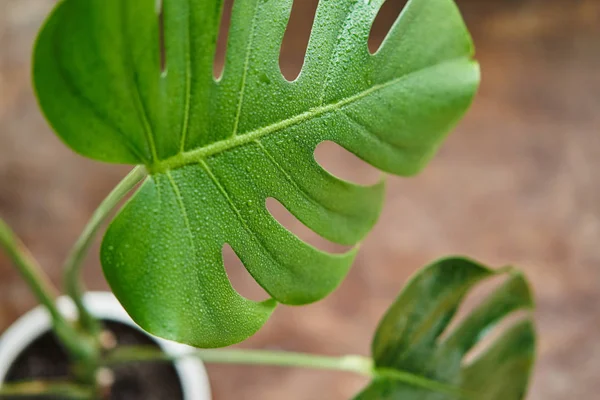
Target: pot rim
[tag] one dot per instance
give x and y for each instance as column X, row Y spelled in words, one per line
column 104, row 305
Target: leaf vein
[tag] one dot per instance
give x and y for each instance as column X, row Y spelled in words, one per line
column 238, row 214
column 370, row 132
column 335, row 55
column 245, row 71
column 309, row 196
column 182, row 207
column 192, row 156
column 134, row 89
column 188, row 87
column 89, row 104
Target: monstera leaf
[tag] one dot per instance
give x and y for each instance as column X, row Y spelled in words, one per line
column 414, row 361
column 132, row 82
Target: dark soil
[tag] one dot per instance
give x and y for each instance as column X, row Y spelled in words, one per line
column 45, row 359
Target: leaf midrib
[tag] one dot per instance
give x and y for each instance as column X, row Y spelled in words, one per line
column 194, row 156
column 423, row 382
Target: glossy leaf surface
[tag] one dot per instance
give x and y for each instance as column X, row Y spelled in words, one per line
column 409, row 339
column 130, row 82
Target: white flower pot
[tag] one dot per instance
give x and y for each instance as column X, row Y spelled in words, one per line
column 103, row 305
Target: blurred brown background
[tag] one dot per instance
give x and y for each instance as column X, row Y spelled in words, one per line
column 515, row 184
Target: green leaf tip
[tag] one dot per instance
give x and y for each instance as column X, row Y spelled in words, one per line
column 416, row 358
column 217, row 148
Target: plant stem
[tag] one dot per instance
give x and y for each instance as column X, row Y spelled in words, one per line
column 351, row 363
column 38, row 388
column 39, row 282
column 43, row 289
column 74, row 263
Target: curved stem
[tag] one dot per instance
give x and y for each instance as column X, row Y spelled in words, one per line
column 43, row 289
column 350, row 363
column 73, row 266
column 31, row 272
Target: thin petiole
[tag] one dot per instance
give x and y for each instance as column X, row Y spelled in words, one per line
column 350, row 363
column 39, row 282
column 74, row 263
column 43, row 289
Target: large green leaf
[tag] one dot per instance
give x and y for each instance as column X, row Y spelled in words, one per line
column 216, row 149
column 414, row 361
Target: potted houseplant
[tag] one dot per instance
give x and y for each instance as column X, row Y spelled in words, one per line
column 132, row 82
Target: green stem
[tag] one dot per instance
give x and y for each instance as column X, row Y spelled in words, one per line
column 43, row 289
column 73, row 266
column 351, row 363
column 67, row 391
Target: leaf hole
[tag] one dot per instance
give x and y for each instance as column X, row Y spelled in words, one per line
column 240, row 278
column 387, row 15
column 493, row 335
column 477, row 296
column 294, row 225
column 221, row 50
column 471, row 301
column 297, row 35
column 345, row 165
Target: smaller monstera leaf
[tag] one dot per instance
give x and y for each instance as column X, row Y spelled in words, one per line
column 131, row 81
column 414, row 361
